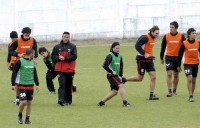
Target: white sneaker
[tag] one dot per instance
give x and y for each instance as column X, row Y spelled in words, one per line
column 52, row 92
column 17, row 102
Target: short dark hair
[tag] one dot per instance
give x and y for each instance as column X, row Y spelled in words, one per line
column 113, row 45
column 13, row 34
column 154, row 28
column 42, row 49
column 29, row 51
column 26, row 30
column 189, row 31
column 175, row 24
column 66, row 33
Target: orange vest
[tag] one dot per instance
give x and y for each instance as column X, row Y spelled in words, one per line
column 148, row 47
column 24, row 45
column 173, row 44
column 191, row 53
column 13, row 58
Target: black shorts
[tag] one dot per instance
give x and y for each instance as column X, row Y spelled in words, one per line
column 114, row 81
column 171, row 63
column 191, row 69
column 25, row 94
column 145, row 65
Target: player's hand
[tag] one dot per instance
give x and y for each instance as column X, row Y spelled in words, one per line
column 179, row 69
column 20, row 55
column 146, row 55
column 37, row 88
column 62, row 58
column 8, row 65
column 162, row 61
column 114, row 73
column 13, row 88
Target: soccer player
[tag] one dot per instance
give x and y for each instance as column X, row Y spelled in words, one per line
column 171, row 44
column 64, row 55
column 145, row 57
column 19, row 47
column 28, row 75
column 114, row 66
column 50, row 74
column 190, row 48
column 11, row 60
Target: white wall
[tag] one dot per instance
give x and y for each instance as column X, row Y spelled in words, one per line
column 88, row 19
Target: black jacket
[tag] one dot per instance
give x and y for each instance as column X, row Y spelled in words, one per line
column 64, row 47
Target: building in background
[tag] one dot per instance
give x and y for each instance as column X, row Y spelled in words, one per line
column 90, row 19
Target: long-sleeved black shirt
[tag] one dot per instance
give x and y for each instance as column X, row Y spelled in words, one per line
column 13, row 48
column 107, row 62
column 16, row 69
column 164, row 44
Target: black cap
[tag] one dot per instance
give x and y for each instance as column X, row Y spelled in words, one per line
column 13, row 34
column 26, row 30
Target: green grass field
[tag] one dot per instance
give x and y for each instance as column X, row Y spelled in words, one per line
column 174, row 112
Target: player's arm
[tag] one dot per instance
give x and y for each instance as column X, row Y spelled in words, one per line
column 35, row 48
column 106, row 64
column 14, row 73
column 121, row 68
column 163, row 47
column 183, row 38
column 54, row 54
column 199, row 47
column 36, row 80
column 140, row 42
column 12, row 49
column 180, row 56
column 36, row 77
column 73, row 55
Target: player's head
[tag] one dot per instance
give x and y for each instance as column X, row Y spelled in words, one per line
column 13, row 35
column 154, row 31
column 173, row 27
column 43, row 51
column 175, row 24
column 30, row 53
column 115, row 47
column 191, row 33
column 65, row 37
column 26, row 31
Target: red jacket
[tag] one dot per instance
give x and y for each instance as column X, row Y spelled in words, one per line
column 69, row 51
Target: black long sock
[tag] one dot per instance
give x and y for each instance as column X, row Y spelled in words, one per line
column 124, row 102
column 27, row 117
column 20, row 114
column 151, row 94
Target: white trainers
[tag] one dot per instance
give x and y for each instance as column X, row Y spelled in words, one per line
column 191, row 99
column 17, row 102
column 52, row 92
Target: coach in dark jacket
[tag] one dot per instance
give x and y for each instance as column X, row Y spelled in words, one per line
column 65, row 54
